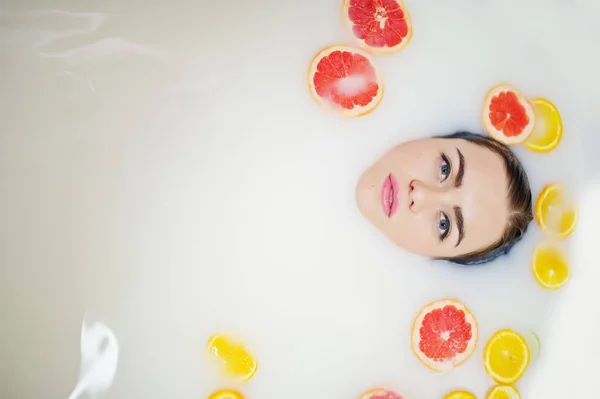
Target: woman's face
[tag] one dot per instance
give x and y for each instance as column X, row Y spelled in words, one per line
column 436, row 197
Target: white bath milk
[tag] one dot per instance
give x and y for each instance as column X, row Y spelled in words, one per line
column 163, row 166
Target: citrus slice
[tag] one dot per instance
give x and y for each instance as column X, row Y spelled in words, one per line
column 555, row 214
column 506, row 357
column 460, row 395
column 550, row 266
column 345, row 79
column 381, row 393
column 226, row 394
column 547, row 132
column 381, row 26
column 507, row 115
column 503, row 392
column 233, row 357
column 444, row 334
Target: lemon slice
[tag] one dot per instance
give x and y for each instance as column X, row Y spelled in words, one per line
column 506, row 357
column 555, row 214
column 226, row 394
column 550, row 267
column 547, row 132
column 460, row 395
column 236, row 361
column 503, row 392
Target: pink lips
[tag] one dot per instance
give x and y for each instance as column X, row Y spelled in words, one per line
column 389, row 196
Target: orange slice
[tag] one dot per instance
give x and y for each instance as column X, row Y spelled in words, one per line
column 226, row 394
column 556, row 214
column 506, row 357
column 232, row 356
column 507, row 115
column 346, row 80
column 503, row 392
column 547, row 132
column 550, row 267
column 444, row 334
column 460, row 395
column 381, row 26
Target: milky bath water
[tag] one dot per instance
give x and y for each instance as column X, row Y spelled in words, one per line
column 164, row 168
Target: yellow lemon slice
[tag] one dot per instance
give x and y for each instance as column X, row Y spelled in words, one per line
column 550, row 267
column 236, row 361
column 555, row 214
column 506, row 357
column 503, row 392
column 226, row 394
column 547, row 132
column 460, row 395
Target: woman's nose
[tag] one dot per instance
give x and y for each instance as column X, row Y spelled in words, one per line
column 421, row 196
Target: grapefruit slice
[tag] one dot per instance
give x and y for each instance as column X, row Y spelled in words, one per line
column 226, row 394
column 381, row 393
column 345, row 79
column 444, row 334
column 547, row 132
column 506, row 357
column 460, row 395
column 381, row 26
column 232, row 356
column 550, row 267
column 503, row 392
column 507, row 115
column 556, row 214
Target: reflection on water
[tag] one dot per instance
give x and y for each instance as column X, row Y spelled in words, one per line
column 164, row 166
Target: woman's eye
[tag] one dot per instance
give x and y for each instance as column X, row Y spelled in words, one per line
column 443, row 226
column 445, row 168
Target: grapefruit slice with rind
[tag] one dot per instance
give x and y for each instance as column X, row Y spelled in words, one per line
column 555, row 212
column 507, row 115
column 547, row 132
column 503, row 392
column 550, row 267
column 226, row 394
column 460, row 395
column 381, row 26
column 231, row 355
column 345, row 79
column 444, row 334
column 506, row 357
column 381, row 393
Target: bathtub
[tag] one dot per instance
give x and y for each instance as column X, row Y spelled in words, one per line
column 165, row 172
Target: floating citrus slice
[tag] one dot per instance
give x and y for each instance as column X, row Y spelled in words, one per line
column 382, row 26
column 550, row 266
column 444, row 334
column 345, row 79
column 555, row 214
column 507, row 115
column 503, row 392
column 233, row 357
column 506, row 357
column 226, row 394
column 381, row 393
column 547, row 132
column 460, row 395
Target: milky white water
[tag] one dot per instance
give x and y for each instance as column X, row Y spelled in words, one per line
column 164, row 170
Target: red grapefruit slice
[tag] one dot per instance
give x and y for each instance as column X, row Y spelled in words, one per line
column 382, row 26
column 381, row 393
column 507, row 115
column 444, row 334
column 345, row 79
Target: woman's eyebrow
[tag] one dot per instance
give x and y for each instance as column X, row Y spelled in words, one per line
column 460, row 224
column 461, row 169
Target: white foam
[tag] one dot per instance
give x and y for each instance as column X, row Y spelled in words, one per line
column 352, row 85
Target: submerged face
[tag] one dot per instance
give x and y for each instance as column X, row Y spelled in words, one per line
column 437, row 197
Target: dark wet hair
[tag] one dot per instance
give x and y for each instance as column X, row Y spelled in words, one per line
column 519, row 199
